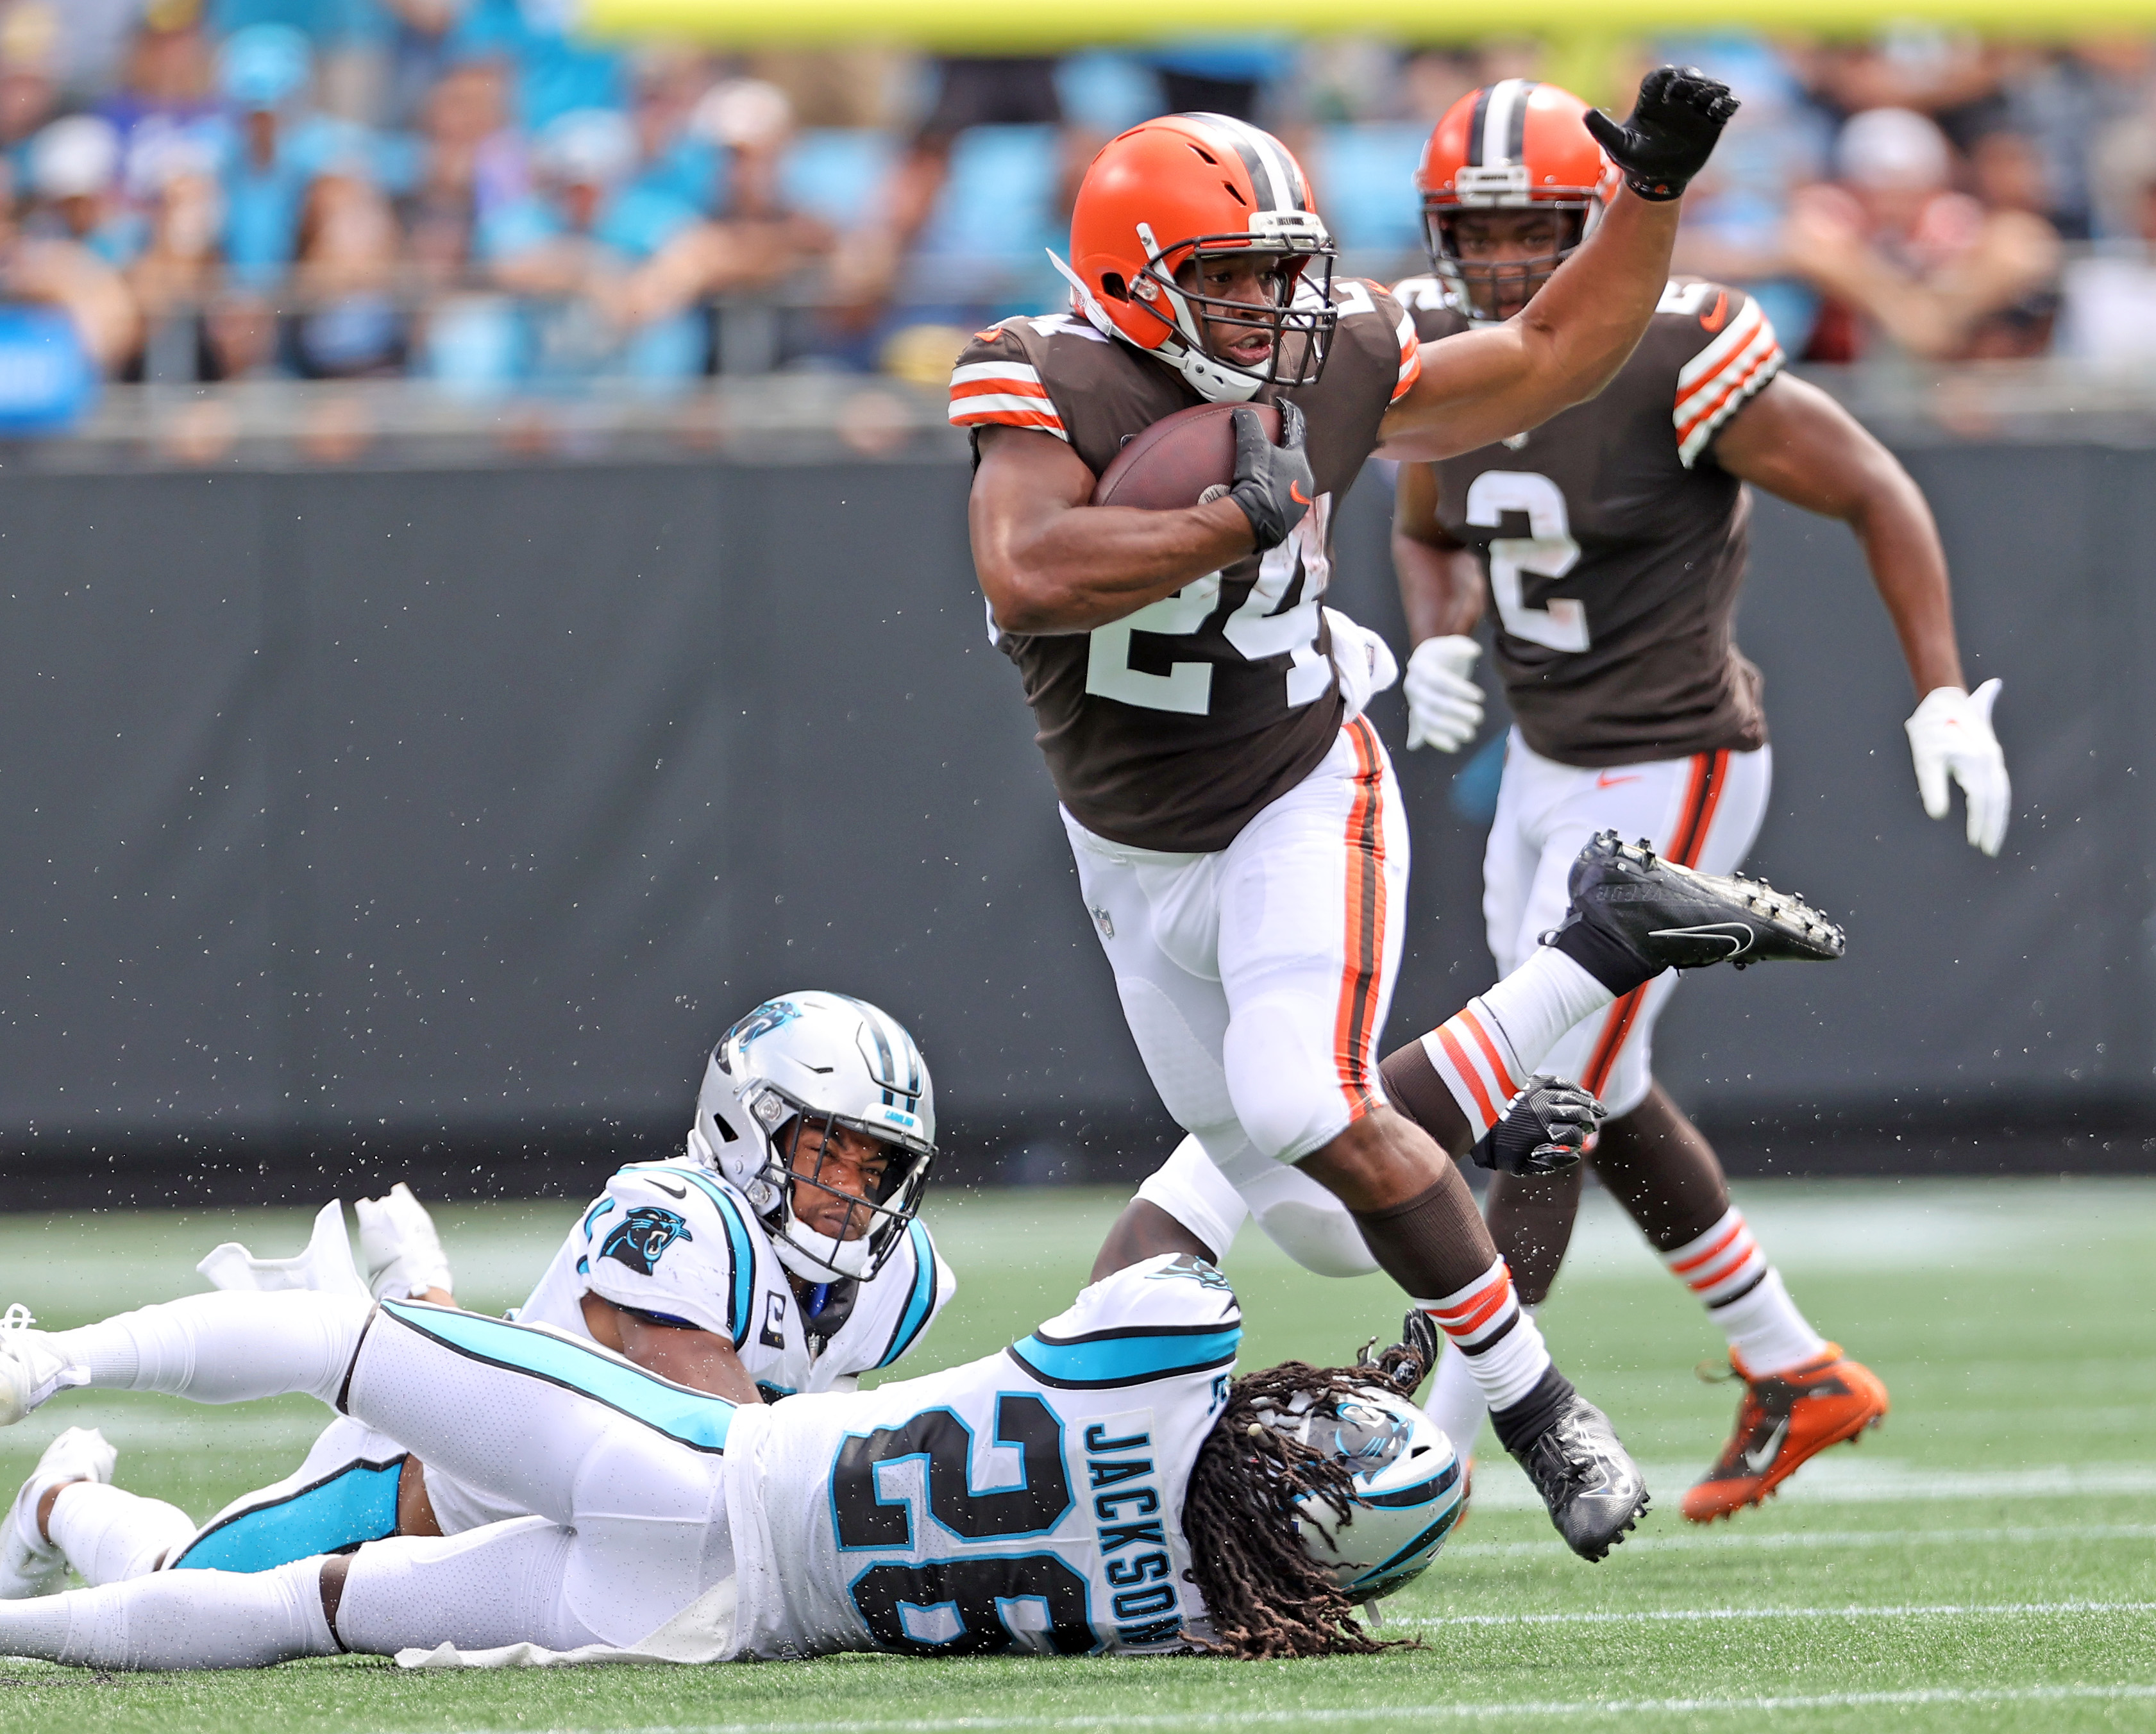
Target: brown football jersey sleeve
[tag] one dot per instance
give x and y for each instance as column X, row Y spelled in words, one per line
column 1724, row 350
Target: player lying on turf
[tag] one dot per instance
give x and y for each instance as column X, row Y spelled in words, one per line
column 1105, row 1484
column 1612, row 541
column 1235, row 824
column 780, row 1254
column 1472, row 1084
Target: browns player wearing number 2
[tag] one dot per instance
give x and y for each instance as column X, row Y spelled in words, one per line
column 1612, row 540
column 1236, row 826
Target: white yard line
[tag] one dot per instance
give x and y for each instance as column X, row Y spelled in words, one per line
column 1725, row 1537
column 1855, row 1610
column 1226, row 1716
column 1851, row 1479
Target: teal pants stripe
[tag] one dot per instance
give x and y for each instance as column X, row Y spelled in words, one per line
column 356, row 1503
column 691, row 1417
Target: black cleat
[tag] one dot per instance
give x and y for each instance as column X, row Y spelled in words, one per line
column 1593, row 1490
column 1671, row 917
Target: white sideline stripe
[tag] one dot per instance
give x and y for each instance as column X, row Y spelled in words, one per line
column 1821, row 1538
column 2125, row 1690
column 1642, row 1616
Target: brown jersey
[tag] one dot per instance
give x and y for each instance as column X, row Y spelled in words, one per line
column 1173, row 727
column 1615, row 544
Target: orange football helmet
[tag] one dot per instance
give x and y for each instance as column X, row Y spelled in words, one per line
column 1182, row 190
column 1513, row 146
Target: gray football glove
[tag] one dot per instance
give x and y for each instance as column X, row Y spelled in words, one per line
column 1273, row 483
column 1544, row 1130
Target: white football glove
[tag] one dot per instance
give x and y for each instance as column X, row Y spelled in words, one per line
column 1950, row 736
column 1444, row 706
column 1364, row 661
column 399, row 1244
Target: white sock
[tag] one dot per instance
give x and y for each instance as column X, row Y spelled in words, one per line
column 223, row 1347
column 1505, row 1353
column 177, row 1619
column 109, row 1535
column 1744, row 1295
column 1487, row 1050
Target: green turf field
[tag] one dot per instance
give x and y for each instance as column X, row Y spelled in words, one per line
column 1987, row 1560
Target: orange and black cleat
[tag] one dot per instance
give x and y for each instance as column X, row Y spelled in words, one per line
column 1784, row 1420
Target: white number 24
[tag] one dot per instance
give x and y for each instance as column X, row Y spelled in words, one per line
column 1253, row 629
column 1548, row 552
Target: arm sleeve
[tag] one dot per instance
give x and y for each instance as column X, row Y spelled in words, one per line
column 1729, row 352
column 995, row 385
column 674, row 1243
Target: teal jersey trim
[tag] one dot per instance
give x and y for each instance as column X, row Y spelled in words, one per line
column 741, row 1243
column 691, row 1417
column 920, row 1298
column 1125, row 1357
column 356, row 1503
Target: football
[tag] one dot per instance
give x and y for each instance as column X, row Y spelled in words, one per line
column 1180, row 459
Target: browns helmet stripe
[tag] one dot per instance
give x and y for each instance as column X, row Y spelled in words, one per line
column 1474, row 126
column 1499, row 131
column 1272, row 173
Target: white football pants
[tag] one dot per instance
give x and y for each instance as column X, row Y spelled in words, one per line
column 1701, row 811
column 1255, row 979
column 622, row 1469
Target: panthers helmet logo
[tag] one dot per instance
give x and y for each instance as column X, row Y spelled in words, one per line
column 639, row 1237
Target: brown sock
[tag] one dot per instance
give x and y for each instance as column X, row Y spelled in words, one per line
column 1432, row 1245
column 1413, row 1086
column 1658, row 1166
column 1531, row 1219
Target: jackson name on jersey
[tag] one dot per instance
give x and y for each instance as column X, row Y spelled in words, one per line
column 1615, row 544
column 1171, row 728
column 1031, row 1500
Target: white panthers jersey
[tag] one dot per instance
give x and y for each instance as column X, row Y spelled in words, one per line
column 1032, row 1500
column 673, row 1240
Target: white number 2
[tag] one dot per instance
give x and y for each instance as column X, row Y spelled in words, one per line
column 1548, row 552
column 1253, row 629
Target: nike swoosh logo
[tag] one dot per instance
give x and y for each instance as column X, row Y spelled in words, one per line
column 1606, row 780
column 672, row 1192
column 1714, row 321
column 1738, row 935
column 1295, row 493
column 1761, row 1459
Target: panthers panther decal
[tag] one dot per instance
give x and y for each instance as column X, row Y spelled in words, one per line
column 639, row 1237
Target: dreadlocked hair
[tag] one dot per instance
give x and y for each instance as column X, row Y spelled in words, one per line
column 1265, row 1596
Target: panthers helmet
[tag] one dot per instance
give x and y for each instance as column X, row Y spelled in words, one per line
column 1408, row 1485
column 1185, row 189
column 1513, row 146
column 818, row 1060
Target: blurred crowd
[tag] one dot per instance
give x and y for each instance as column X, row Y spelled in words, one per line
column 469, row 191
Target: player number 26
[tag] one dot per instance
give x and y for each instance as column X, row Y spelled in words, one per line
column 1547, row 551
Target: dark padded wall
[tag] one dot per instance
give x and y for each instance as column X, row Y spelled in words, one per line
column 361, row 821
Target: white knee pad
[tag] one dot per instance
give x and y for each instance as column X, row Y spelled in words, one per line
column 1185, row 1071
column 1283, row 1075
column 1308, row 1223
column 1192, row 1191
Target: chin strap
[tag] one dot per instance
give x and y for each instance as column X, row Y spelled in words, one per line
column 1214, row 380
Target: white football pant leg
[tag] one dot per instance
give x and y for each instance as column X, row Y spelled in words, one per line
column 1297, row 1214
column 223, row 1347
column 177, row 1619
column 108, row 1535
column 507, row 1583
column 648, row 1511
column 1702, row 811
column 1312, row 895
column 1159, row 922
